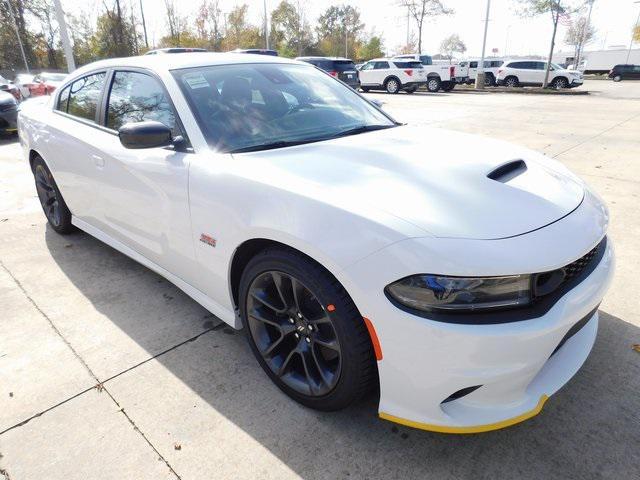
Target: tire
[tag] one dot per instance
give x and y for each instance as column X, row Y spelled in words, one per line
column 284, row 337
column 51, row 201
column 411, row 90
column 489, row 80
column 617, row 78
column 392, row 85
column 511, row 82
column 433, row 84
column 447, row 86
column 365, row 89
column 559, row 83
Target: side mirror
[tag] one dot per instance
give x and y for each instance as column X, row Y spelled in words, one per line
column 376, row 102
column 147, row 134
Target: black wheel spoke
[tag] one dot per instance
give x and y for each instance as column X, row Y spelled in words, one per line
column 293, row 333
column 330, row 344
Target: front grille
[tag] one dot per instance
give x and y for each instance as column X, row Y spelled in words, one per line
column 574, row 269
column 548, row 282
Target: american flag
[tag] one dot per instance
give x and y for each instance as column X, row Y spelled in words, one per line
column 565, row 19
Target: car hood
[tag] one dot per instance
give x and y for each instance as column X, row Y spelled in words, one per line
column 435, row 179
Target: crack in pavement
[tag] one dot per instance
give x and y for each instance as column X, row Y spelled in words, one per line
column 86, row 366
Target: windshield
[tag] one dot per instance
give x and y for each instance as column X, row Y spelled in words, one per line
column 555, row 66
column 54, row 77
column 256, row 106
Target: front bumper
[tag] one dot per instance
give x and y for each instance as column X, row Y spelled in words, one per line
column 425, row 362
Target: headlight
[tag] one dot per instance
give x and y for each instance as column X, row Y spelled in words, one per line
column 441, row 293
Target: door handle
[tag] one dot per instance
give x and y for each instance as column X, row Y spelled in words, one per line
column 98, row 161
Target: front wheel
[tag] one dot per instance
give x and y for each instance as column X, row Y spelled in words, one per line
column 53, row 205
column 305, row 330
column 511, row 82
column 560, row 83
column 617, row 78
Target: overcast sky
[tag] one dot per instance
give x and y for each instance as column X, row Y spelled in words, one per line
column 613, row 20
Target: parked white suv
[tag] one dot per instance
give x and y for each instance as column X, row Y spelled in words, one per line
column 392, row 75
column 439, row 76
column 467, row 70
column 531, row 72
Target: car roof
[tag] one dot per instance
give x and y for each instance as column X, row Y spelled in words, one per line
column 325, row 58
column 164, row 63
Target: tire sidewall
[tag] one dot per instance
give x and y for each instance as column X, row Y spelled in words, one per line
column 65, row 214
column 320, row 286
column 433, row 84
column 390, row 82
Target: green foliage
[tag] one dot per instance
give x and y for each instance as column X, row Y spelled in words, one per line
column 337, row 26
column 372, row 48
column 636, row 33
column 290, row 34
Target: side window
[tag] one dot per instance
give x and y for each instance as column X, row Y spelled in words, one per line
column 473, row 64
column 463, row 64
column 63, row 100
column 367, row 66
column 541, row 65
column 135, row 97
column 636, row 68
column 84, row 96
column 381, row 65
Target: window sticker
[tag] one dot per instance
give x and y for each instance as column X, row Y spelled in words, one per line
column 196, row 80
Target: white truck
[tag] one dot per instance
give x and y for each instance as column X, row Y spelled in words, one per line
column 439, row 77
column 598, row 61
column 467, row 70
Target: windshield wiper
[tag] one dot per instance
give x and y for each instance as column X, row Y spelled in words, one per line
column 272, row 145
column 357, row 130
column 291, row 143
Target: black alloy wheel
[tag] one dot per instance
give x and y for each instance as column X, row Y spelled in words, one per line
column 48, row 196
column 305, row 330
column 53, row 205
column 293, row 333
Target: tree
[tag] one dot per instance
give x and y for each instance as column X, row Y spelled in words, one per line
column 421, row 9
column 115, row 35
column 579, row 34
column 636, row 33
column 556, row 9
column 10, row 56
column 240, row 33
column 371, row 48
column 81, row 33
column 339, row 31
column 208, row 25
column 452, row 44
column 290, row 33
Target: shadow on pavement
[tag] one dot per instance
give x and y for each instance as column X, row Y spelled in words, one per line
column 590, row 429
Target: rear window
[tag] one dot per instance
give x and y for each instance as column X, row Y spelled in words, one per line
column 408, row 64
column 426, row 60
column 344, row 65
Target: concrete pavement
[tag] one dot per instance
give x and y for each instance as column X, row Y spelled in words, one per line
column 108, row 371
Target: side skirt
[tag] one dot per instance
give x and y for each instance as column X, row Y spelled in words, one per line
column 218, row 310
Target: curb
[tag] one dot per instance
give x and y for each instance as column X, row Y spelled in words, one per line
column 522, row 91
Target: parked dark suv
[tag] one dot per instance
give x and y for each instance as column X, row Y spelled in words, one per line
column 625, row 72
column 341, row 68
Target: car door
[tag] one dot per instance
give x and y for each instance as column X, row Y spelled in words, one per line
column 381, row 70
column 144, row 192
column 367, row 74
column 69, row 146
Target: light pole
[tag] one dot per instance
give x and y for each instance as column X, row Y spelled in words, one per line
column 506, row 41
column 15, row 27
column 64, row 36
column 480, row 74
column 266, row 26
column 634, row 30
column 583, row 36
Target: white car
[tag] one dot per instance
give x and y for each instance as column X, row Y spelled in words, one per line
column 467, row 70
column 516, row 73
column 392, row 75
column 291, row 207
column 440, row 76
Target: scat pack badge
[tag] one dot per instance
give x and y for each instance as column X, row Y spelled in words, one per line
column 208, row 239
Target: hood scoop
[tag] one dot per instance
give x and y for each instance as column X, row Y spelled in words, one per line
column 508, row 171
